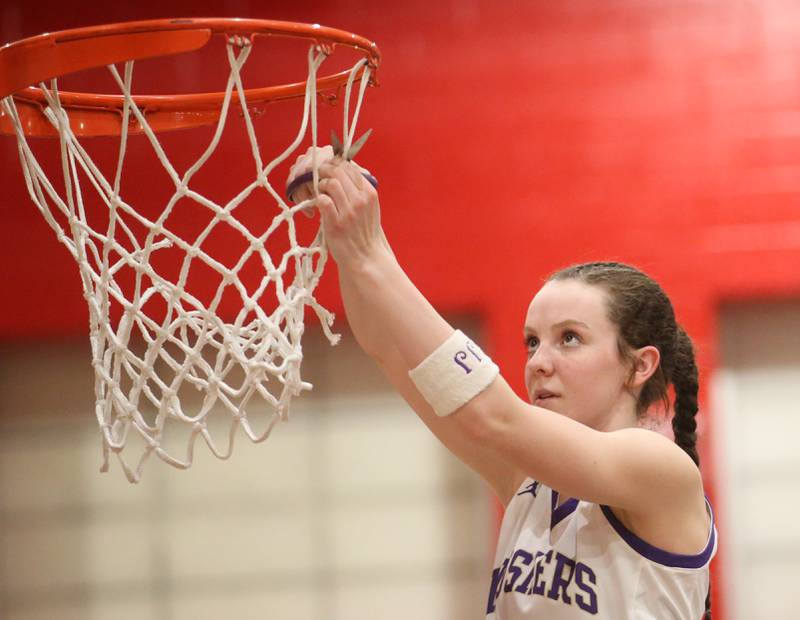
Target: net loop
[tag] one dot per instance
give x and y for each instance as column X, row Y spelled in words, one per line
column 191, row 363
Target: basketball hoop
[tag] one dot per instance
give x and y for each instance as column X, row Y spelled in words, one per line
column 238, row 366
column 46, row 56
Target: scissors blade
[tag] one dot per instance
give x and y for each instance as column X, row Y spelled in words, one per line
column 356, row 147
column 336, row 143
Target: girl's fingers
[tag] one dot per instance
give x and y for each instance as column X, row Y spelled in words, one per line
column 348, row 184
column 302, row 193
column 354, row 175
column 333, row 188
column 327, row 211
column 302, row 165
column 336, row 172
column 342, row 187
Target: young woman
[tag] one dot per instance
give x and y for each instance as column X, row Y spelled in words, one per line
column 603, row 518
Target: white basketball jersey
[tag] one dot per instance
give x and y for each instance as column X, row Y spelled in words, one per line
column 580, row 561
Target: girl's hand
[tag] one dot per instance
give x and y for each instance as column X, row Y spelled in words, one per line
column 303, row 167
column 348, row 206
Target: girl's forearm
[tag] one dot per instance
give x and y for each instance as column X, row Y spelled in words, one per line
column 387, row 312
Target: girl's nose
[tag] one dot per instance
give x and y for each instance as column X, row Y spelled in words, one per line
column 541, row 362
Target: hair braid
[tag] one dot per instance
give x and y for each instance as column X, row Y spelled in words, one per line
column 684, row 424
column 684, row 378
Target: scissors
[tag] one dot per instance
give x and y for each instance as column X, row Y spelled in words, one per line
column 338, row 150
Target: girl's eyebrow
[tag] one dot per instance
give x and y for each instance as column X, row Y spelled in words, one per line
column 560, row 324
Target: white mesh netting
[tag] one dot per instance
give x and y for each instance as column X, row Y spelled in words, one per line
column 162, row 355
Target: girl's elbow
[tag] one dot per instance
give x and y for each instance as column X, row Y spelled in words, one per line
column 482, row 420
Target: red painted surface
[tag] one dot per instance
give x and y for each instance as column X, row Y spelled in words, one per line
column 515, row 138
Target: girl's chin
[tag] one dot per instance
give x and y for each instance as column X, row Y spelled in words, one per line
column 547, row 403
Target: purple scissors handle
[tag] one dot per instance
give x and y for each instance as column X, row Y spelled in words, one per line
column 308, row 177
column 338, row 150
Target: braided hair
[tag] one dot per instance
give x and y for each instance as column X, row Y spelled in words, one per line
column 644, row 315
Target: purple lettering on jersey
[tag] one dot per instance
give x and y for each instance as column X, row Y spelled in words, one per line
column 493, row 591
column 558, row 587
column 538, row 588
column 591, row 605
column 497, row 580
column 523, row 587
column 507, row 577
column 515, row 570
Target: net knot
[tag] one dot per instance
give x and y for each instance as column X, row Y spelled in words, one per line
column 239, row 40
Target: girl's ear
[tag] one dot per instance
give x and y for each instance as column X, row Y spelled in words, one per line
column 645, row 363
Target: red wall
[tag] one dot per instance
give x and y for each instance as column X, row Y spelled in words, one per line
column 514, row 138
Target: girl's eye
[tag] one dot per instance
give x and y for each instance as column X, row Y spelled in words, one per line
column 571, row 338
column 530, row 343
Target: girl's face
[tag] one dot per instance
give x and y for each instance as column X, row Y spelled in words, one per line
column 574, row 366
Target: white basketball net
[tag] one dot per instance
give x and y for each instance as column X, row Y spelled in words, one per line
column 251, row 364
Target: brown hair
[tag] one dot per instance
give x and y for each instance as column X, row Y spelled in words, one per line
column 644, row 315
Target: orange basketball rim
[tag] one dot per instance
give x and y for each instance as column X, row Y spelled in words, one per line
column 40, row 58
